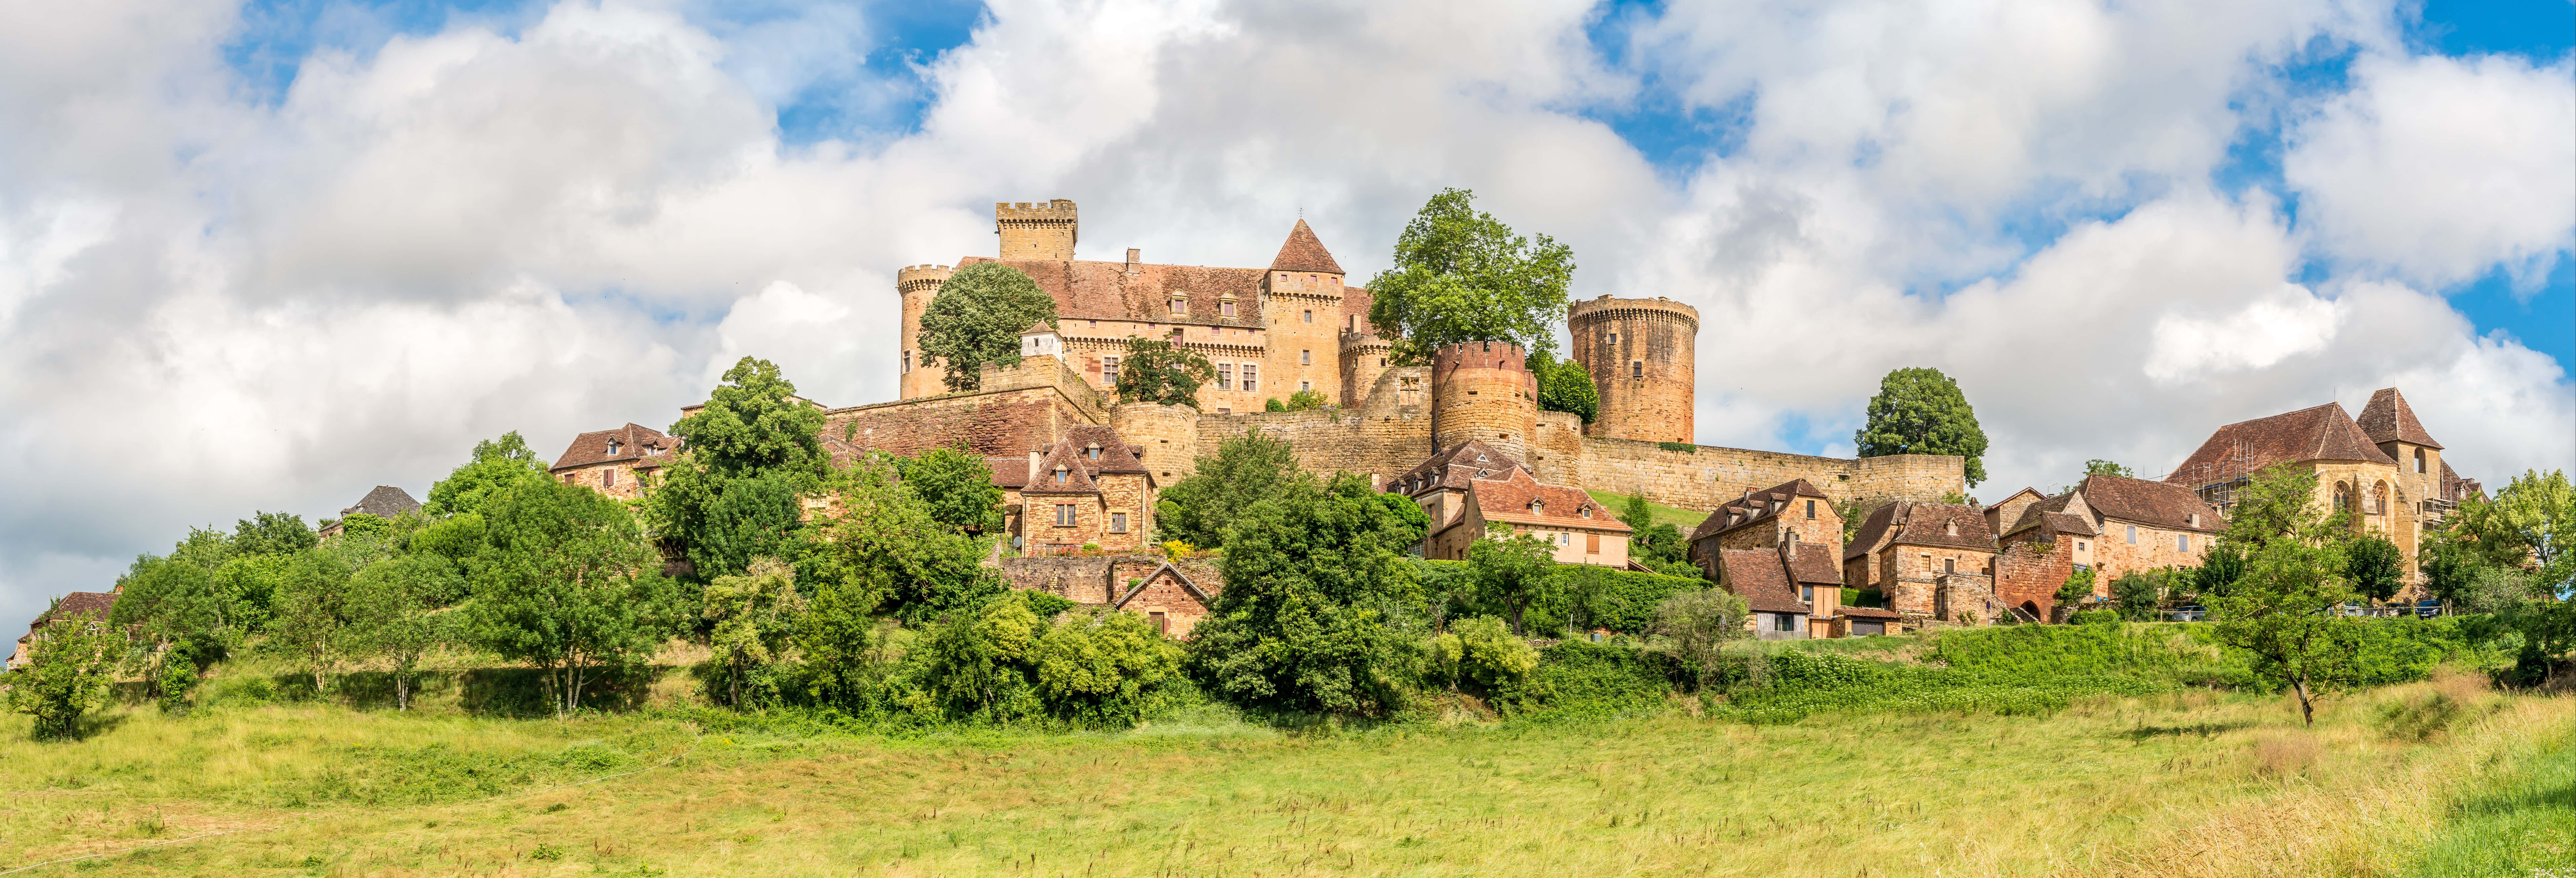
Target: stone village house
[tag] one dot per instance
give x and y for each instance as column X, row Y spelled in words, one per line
column 2110, row 525
column 1779, row 550
column 1930, row 560
column 1471, row 491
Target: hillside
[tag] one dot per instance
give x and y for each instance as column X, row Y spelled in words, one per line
column 1672, row 515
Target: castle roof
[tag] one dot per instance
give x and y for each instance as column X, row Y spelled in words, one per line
column 1517, row 498
column 2064, row 513
column 1115, row 455
column 1304, row 252
column 2240, row 449
column 2168, row 506
column 631, row 442
column 2389, row 419
column 1757, row 506
column 1907, row 523
column 386, row 501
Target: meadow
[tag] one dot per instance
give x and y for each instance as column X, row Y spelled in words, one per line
column 2437, row 778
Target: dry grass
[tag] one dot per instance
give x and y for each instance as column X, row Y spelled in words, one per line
column 2170, row 785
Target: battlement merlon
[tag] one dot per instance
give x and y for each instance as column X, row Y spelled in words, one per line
column 913, row 277
column 1043, row 230
column 1606, row 306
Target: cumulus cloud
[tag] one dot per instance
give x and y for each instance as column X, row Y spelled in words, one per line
column 2435, row 169
column 577, row 216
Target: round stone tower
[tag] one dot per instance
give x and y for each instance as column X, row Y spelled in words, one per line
column 1168, row 433
column 1483, row 390
column 1364, row 357
column 917, row 284
column 1642, row 354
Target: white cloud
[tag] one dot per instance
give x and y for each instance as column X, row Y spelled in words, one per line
column 2286, row 324
column 2436, row 169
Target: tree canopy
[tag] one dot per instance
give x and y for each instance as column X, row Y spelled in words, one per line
column 565, row 581
column 1921, row 411
column 495, row 465
column 957, row 488
column 1161, row 372
column 1311, row 573
column 977, row 318
column 2283, row 610
column 1565, row 386
column 1462, row 275
column 1244, row 470
column 753, row 423
column 2100, row 467
column 736, row 490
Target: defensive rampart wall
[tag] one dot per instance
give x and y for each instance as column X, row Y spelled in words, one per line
column 1383, row 436
column 1707, row 476
column 1019, row 408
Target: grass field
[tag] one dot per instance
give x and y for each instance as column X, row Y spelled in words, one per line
column 2187, row 784
column 1672, row 515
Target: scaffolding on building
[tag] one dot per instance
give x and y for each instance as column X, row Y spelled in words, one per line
column 2217, row 481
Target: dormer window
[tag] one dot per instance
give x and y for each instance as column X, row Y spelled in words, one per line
column 1538, row 506
column 1180, row 303
column 1586, row 511
column 612, row 447
column 1952, row 528
column 2195, row 519
column 1094, row 449
column 1225, row 306
column 1061, row 475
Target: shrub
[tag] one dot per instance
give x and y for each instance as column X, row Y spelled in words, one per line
column 2094, row 617
column 1683, row 447
column 68, row 671
column 1582, row 679
column 1480, row 655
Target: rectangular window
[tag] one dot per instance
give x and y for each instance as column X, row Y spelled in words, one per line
column 1226, row 307
column 1251, row 379
column 1807, row 593
column 1305, row 385
column 2079, row 546
column 2182, row 543
column 1355, row 323
column 1310, row 315
column 907, row 362
column 1225, row 376
column 1064, row 515
column 1118, row 522
column 1109, row 371
column 608, row 478
column 1636, row 368
column 2133, row 535
column 1949, row 565
column 1783, row 622
column 1614, row 338
column 1162, row 623
column 1305, row 358
column 1811, row 509
column 1180, row 305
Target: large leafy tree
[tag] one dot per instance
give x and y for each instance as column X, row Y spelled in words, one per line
column 2284, row 611
column 977, row 319
column 1699, row 624
column 1921, row 411
column 1244, row 470
column 565, row 581
column 1311, row 575
column 735, row 492
column 753, row 615
column 1565, row 386
column 2374, row 566
column 495, row 465
column 398, row 612
column 1462, row 275
column 881, row 546
column 1513, row 572
column 957, row 488
column 71, row 666
column 312, row 620
column 1161, row 372
column 272, row 533
column 2527, row 534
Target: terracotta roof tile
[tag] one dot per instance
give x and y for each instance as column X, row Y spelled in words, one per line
column 1874, row 529
column 2168, row 506
column 1008, row 472
column 1304, row 252
column 1116, row 456
column 1111, row 291
column 1063, row 457
column 1757, row 576
column 2389, row 419
column 1508, row 499
column 1869, row 613
column 631, row 442
column 1815, row 566
column 1453, row 467
column 1932, row 524
column 2240, row 449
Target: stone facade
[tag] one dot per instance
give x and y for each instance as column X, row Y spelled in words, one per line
column 1642, row 354
column 1930, row 561
column 1173, row 594
column 615, row 462
column 917, row 375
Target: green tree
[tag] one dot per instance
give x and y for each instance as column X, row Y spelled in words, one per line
column 752, row 615
column 1513, row 572
column 1921, row 411
column 1244, row 470
column 1161, row 372
column 1699, row 624
column 752, row 453
column 1461, row 275
column 977, row 319
column 1565, row 386
column 2137, row 592
column 272, row 533
column 495, row 465
column 71, row 666
column 2219, row 569
column 978, row 665
column 1482, row 655
column 1103, row 668
column 2077, row 589
column 2100, row 467
column 1302, row 401
column 1312, row 573
column 2284, row 613
column 397, row 612
column 2374, row 566
column 312, row 620
column 958, row 489
column 876, row 533
column 180, row 606
column 566, row 582
column 847, row 649
column 2528, row 528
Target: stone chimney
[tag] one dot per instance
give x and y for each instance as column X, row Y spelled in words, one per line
column 1132, row 258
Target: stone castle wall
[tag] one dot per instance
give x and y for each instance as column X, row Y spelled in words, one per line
column 1019, row 409
column 1642, row 355
column 1708, row 476
column 1383, row 436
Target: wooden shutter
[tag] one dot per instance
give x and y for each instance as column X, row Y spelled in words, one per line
column 1592, row 543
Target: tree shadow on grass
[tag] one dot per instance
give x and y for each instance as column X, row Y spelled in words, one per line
column 2203, row 730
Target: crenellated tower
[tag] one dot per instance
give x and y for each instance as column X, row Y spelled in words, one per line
column 1642, row 354
column 1045, row 230
column 917, row 285
column 1483, row 390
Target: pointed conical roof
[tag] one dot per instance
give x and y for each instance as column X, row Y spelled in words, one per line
column 1304, row 252
column 2389, row 419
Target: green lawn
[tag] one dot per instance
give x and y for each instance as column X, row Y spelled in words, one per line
column 1672, row 515
column 2188, row 784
